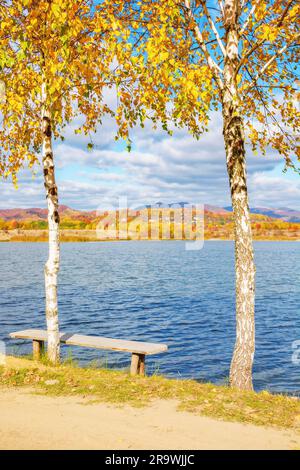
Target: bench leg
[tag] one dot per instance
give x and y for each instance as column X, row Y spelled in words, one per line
column 38, row 348
column 137, row 364
column 134, row 368
column 142, row 364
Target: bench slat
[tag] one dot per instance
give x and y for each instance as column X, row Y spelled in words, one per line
column 95, row 342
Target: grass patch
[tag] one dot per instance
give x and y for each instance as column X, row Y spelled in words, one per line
column 111, row 386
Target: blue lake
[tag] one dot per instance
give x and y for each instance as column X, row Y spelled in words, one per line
column 158, row 291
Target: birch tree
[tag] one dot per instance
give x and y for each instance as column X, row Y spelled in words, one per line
column 238, row 58
column 57, row 57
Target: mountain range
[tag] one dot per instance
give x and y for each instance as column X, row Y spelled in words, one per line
column 283, row 213
column 37, row 214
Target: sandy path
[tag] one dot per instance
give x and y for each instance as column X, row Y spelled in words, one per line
column 28, row 421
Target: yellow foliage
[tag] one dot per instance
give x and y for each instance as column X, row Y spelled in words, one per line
column 70, row 48
column 170, row 57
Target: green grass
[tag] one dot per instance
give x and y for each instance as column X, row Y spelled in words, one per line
column 111, row 386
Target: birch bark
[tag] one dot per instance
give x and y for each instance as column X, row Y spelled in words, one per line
column 52, row 264
column 233, row 131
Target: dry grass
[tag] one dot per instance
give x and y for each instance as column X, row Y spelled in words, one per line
column 118, row 387
column 83, row 235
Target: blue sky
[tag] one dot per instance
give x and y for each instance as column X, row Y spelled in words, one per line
column 159, row 167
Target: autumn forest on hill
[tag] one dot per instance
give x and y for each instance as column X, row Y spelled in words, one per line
column 31, row 225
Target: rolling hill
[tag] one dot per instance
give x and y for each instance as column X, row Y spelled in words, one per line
column 169, row 221
column 283, row 213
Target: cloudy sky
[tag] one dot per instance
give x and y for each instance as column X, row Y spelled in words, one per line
column 159, row 167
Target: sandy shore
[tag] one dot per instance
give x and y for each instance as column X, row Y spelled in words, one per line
column 30, row 421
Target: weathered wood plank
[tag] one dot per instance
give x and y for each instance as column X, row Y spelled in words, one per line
column 39, row 335
column 96, row 342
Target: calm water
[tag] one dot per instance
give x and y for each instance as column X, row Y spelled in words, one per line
column 158, row 291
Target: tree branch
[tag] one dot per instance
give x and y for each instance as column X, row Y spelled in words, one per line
column 221, row 7
column 280, row 20
column 271, row 60
column 249, row 17
column 247, row 54
column 262, row 41
column 213, row 27
column 285, row 12
column 215, row 69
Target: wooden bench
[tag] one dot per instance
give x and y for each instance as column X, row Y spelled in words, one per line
column 138, row 349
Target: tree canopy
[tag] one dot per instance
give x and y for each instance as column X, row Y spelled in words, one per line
column 78, row 49
column 181, row 51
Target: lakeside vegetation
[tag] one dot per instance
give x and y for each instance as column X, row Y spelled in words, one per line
column 118, row 387
column 89, row 226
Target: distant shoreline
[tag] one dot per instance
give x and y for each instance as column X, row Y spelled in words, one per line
column 30, row 225
column 88, row 236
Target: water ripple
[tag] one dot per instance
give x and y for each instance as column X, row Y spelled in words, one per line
column 160, row 292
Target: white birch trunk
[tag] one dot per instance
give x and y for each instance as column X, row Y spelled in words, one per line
column 52, row 264
column 233, row 131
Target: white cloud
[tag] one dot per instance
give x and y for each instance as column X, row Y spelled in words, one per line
column 169, row 168
column 274, row 191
